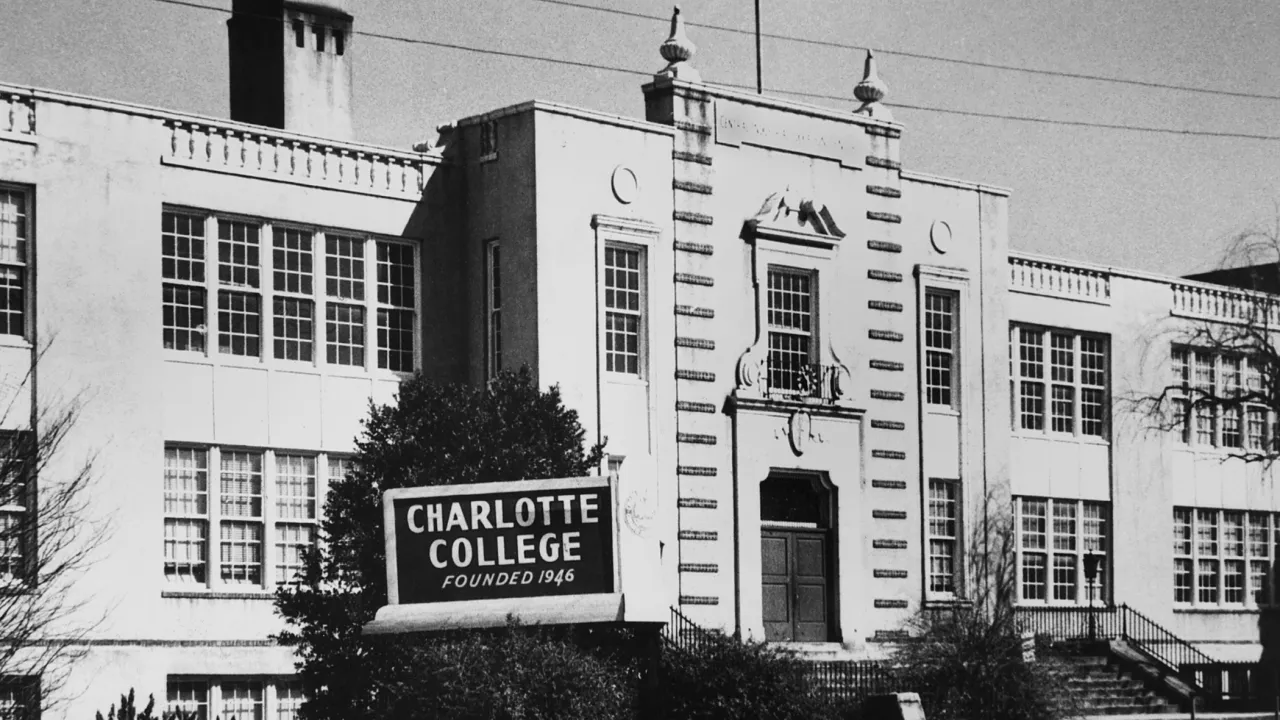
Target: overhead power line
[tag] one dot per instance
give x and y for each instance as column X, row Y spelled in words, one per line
column 921, row 56
column 798, row 93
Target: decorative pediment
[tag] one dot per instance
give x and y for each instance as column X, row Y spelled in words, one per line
column 786, row 217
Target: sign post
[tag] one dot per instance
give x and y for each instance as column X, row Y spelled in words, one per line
column 545, row 551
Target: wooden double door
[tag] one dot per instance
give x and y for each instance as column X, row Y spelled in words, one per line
column 795, row 571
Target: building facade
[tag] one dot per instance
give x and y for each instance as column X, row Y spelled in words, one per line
column 819, row 373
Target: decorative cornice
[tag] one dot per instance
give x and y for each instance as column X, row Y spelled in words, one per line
column 697, row 407
column 699, row 600
column 888, row 425
column 889, row 484
column 693, row 311
column 696, row 438
column 699, row 535
column 890, row 365
column 693, row 127
column 885, row 305
column 692, row 279
column 895, row 395
column 884, row 191
column 697, row 503
column 889, row 573
column 696, row 470
column 884, row 246
column 888, row 544
column 695, row 343
column 693, row 217
column 885, row 163
column 889, row 454
column 692, row 247
column 696, row 375
column 738, row 403
column 697, row 158
column 889, row 514
column 884, row 275
column 699, row 567
column 889, row 335
column 693, row 187
column 890, row 604
column 884, row 216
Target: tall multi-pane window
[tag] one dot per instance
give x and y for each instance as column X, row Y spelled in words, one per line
column 1059, row 381
column 19, row 697
column 1223, row 557
column 235, row 697
column 293, row 307
column 183, row 268
column 623, row 309
column 944, row 536
column 15, row 238
column 278, row 297
column 295, row 530
column 1203, row 374
column 344, row 270
column 396, row 300
column 240, row 532
column 186, row 514
column 493, row 275
column 17, row 518
column 1054, row 538
column 939, row 348
column 791, row 321
column 258, row 515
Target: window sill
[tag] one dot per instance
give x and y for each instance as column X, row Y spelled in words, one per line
column 1062, row 437
column 945, row 603
column 207, row 594
column 14, row 341
column 941, row 410
column 623, row 379
column 1186, row 610
column 288, row 366
column 1215, row 451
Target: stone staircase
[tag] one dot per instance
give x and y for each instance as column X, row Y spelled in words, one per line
column 1101, row 687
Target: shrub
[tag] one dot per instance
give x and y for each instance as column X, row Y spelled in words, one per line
column 728, row 679
column 129, row 711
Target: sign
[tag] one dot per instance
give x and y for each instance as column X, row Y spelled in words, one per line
column 527, row 538
column 790, row 131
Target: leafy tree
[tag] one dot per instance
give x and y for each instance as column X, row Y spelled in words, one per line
column 435, row 434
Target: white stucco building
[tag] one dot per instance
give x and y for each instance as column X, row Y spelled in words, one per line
column 818, row 371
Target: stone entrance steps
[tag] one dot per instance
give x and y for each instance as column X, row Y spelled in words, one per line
column 1101, row 687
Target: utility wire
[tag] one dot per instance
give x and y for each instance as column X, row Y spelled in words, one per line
column 798, row 93
column 922, row 56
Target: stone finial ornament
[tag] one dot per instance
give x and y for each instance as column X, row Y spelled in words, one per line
column 678, row 50
column 871, row 91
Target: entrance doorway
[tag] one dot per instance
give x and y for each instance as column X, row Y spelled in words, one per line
column 796, row 563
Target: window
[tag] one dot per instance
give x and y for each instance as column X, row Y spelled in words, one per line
column 494, row 276
column 939, row 348
column 1201, row 374
column 1068, row 393
column 944, row 534
column 19, row 697
column 624, row 309
column 267, row 513
column 15, row 237
column 1223, row 557
column 17, row 516
column 242, row 698
column 791, row 320
column 183, row 268
column 355, row 294
column 1054, row 538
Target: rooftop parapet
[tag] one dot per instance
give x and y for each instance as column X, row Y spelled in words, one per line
column 1038, row 277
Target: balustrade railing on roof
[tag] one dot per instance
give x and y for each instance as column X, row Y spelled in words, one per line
column 1056, row 280
column 1226, row 305
column 17, row 113
column 282, row 156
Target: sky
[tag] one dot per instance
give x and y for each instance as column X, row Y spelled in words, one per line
column 1165, row 203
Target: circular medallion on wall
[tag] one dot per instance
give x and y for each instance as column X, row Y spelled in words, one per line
column 940, row 236
column 625, row 185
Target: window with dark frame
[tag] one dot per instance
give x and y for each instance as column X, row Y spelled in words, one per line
column 940, row 347
column 1053, row 537
column 239, row 697
column 790, row 316
column 18, row 520
column 1059, row 380
column 624, row 309
column 15, row 241
column 1223, row 558
column 1199, row 373
column 494, row 309
column 944, row 536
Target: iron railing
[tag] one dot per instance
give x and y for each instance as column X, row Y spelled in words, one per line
column 805, row 380
column 684, row 634
column 844, row 680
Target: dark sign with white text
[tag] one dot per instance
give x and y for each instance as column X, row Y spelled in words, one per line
column 540, row 541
